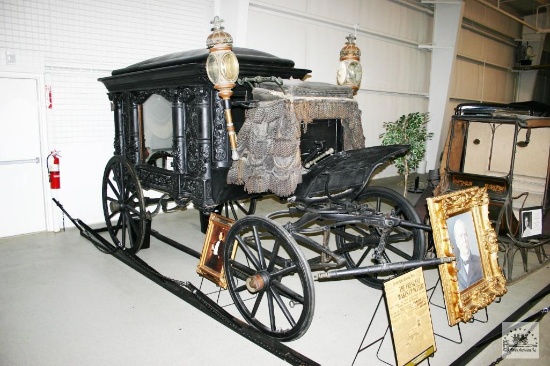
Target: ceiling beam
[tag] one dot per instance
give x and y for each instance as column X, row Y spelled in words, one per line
column 521, row 21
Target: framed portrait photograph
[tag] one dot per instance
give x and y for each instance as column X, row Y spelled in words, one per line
column 461, row 229
column 530, row 222
column 211, row 261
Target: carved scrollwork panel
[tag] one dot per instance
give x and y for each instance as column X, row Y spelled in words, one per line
column 161, row 181
column 219, row 132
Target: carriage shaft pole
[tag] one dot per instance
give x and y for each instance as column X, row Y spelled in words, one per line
column 380, row 268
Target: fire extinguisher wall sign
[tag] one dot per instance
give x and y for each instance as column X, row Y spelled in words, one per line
column 53, row 170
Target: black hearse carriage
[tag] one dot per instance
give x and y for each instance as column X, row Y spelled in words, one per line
column 301, row 141
column 505, row 148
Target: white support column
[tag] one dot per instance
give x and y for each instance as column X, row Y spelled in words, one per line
column 235, row 16
column 447, row 23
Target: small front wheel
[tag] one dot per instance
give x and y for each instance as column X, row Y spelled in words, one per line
column 269, row 278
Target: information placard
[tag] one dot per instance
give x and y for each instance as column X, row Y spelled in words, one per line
column 410, row 318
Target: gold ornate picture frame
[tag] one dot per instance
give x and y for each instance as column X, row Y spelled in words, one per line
column 461, row 229
column 211, row 261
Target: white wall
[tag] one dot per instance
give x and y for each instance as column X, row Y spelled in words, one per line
column 75, row 42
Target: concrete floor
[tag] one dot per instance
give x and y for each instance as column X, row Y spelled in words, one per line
column 63, row 302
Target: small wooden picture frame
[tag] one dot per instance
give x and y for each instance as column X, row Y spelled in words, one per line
column 461, row 229
column 530, row 222
column 211, row 261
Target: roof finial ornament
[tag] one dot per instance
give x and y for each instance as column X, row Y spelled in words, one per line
column 217, row 22
column 351, row 39
column 219, row 38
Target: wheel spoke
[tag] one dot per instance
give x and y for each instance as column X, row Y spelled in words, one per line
column 399, row 252
column 293, row 295
column 131, row 222
column 259, row 246
column 243, row 268
column 132, row 198
column 274, row 254
column 378, row 207
column 240, row 288
column 133, row 210
column 236, row 208
column 248, row 252
column 271, row 309
column 122, row 182
column 285, row 271
column 116, row 192
column 362, row 258
column 283, row 307
column 123, row 232
column 256, row 306
column 112, row 214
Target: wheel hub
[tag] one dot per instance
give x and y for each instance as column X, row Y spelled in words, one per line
column 114, row 206
column 257, row 282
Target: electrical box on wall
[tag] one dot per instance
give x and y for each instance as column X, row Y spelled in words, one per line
column 10, row 58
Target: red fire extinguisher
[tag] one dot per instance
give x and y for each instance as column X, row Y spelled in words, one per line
column 53, row 170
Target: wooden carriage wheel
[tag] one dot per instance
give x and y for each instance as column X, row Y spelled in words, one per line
column 403, row 244
column 235, row 209
column 269, row 278
column 123, row 204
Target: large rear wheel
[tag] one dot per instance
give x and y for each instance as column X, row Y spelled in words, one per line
column 402, row 243
column 123, row 204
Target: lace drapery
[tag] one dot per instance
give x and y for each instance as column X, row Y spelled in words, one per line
column 269, row 140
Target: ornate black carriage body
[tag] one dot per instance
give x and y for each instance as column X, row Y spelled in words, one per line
column 199, row 144
column 308, row 134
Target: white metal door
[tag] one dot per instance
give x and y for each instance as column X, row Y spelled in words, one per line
column 22, row 208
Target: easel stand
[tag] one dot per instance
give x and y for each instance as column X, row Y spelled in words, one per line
column 459, row 340
column 217, row 292
column 380, row 340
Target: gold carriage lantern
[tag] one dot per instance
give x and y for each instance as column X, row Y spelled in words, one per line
column 222, row 68
column 350, row 71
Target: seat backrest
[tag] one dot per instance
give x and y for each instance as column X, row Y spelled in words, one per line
column 346, row 169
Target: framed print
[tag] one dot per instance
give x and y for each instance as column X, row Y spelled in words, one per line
column 461, row 229
column 211, row 261
column 531, row 222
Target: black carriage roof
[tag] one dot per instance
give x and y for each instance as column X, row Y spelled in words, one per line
column 244, row 55
column 178, row 68
column 525, row 114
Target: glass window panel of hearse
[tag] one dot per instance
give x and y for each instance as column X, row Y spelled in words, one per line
column 157, row 125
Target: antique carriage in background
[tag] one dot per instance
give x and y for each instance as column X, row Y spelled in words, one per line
column 301, row 141
column 505, row 148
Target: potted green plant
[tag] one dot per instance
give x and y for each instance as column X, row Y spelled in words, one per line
column 410, row 130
